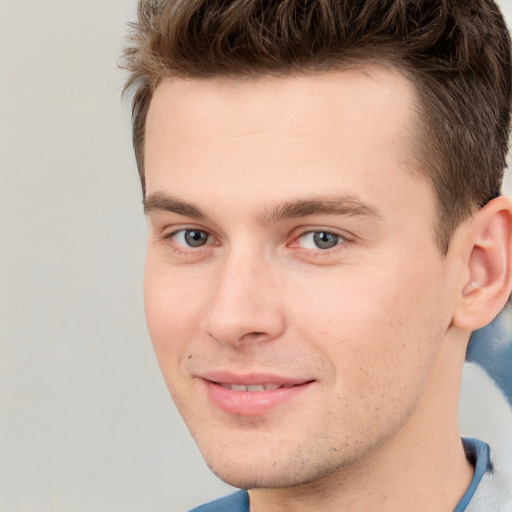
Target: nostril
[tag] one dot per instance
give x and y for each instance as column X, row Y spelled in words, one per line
column 254, row 335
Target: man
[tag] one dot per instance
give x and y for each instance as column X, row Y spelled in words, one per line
column 321, row 182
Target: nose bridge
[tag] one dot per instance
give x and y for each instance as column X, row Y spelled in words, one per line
column 245, row 304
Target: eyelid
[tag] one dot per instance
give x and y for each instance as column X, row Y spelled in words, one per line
column 182, row 234
column 169, row 234
column 303, row 231
column 169, row 230
column 338, row 239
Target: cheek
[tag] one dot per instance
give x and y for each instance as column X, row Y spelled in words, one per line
column 172, row 318
column 172, row 312
column 377, row 328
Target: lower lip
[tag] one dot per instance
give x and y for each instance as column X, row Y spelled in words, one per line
column 252, row 403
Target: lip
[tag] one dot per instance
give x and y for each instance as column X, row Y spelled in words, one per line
column 252, row 403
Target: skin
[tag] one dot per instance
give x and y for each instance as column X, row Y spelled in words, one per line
column 368, row 323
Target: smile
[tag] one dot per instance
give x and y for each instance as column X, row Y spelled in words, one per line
column 254, row 395
column 258, row 388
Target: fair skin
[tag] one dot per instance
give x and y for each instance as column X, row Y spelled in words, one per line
column 292, row 249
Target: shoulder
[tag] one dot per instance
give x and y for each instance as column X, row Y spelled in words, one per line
column 237, row 502
column 486, row 414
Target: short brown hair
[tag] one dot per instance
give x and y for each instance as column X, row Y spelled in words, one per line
column 456, row 53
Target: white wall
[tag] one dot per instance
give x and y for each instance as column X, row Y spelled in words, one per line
column 86, row 423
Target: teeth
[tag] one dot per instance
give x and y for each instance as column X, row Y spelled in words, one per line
column 257, row 387
column 254, row 387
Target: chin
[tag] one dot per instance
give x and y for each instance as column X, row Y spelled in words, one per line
column 267, row 467
column 244, row 478
column 263, row 476
column 249, row 467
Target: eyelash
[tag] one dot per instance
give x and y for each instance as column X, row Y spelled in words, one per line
column 340, row 240
column 182, row 249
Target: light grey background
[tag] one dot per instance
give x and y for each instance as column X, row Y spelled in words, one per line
column 86, row 423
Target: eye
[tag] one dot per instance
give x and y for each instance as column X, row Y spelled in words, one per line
column 320, row 240
column 190, row 237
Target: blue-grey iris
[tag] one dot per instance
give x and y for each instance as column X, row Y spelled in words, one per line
column 325, row 240
column 195, row 238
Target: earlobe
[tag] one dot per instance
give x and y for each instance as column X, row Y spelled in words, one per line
column 488, row 260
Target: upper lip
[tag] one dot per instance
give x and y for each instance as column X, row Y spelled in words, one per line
column 251, row 379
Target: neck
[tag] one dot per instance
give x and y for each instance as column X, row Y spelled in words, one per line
column 422, row 467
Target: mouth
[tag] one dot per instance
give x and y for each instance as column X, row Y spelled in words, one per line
column 253, row 395
column 256, row 388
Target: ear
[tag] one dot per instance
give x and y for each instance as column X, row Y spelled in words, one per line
column 487, row 254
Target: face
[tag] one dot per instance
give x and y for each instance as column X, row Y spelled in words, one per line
column 295, row 295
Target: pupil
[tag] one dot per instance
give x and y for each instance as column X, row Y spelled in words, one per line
column 195, row 238
column 324, row 240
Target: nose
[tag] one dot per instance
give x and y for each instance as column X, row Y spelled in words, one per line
column 245, row 306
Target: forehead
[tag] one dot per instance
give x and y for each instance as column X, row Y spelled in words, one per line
column 284, row 104
column 276, row 136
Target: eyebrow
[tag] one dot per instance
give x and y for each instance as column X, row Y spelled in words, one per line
column 348, row 206
column 345, row 205
column 160, row 202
